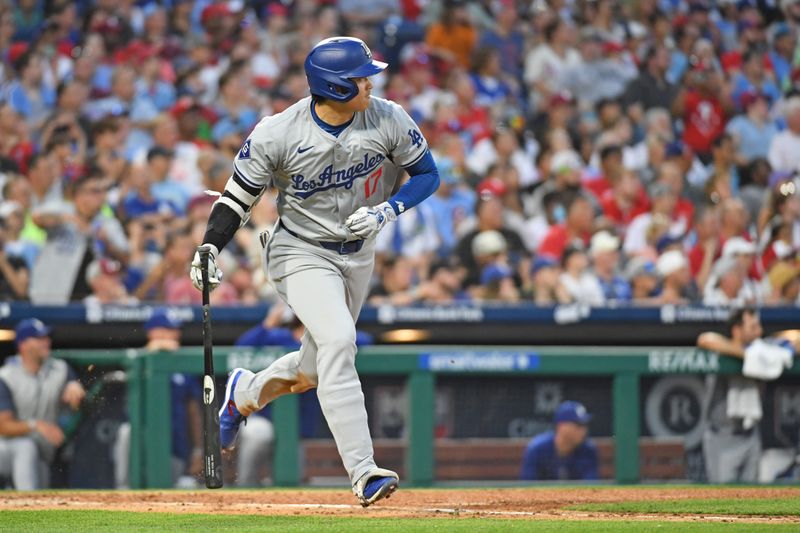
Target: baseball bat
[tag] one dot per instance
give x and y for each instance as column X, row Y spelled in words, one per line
column 212, row 455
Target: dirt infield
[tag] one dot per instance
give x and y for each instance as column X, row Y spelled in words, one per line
column 520, row 503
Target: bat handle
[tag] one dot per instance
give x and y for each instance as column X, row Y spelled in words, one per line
column 204, row 251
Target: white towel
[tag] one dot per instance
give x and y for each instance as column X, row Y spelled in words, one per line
column 765, row 361
column 744, row 401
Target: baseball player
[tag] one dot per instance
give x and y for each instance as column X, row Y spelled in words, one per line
column 335, row 158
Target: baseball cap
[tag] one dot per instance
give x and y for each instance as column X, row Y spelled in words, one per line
column 492, row 187
column 543, row 261
column 603, row 241
column 495, row 272
column 565, row 161
column 571, row 411
column 104, row 265
column 738, row 246
column 670, row 262
column 30, row 327
column 489, row 242
column 162, row 318
column 639, row 266
column 665, row 241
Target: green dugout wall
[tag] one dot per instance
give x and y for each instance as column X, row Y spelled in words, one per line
column 149, row 374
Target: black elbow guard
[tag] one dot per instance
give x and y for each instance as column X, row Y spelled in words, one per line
column 222, row 224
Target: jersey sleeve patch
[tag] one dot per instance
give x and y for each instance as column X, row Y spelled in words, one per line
column 244, row 152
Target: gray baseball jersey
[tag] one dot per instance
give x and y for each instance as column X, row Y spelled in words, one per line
column 323, row 179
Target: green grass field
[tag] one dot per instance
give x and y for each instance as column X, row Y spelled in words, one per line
column 156, row 522
column 662, row 508
column 766, row 507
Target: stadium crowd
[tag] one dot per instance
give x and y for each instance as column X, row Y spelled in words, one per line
column 600, row 152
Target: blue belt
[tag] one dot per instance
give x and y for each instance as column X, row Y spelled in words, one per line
column 341, row 247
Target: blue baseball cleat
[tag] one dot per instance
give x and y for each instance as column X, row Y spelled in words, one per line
column 376, row 485
column 229, row 416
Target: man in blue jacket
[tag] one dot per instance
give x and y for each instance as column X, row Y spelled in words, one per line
column 565, row 452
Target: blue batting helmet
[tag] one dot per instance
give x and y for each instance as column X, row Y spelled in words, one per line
column 333, row 62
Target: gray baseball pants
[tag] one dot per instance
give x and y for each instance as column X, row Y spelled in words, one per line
column 20, row 460
column 326, row 291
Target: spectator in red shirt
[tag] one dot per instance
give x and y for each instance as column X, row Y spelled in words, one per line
column 577, row 226
column 610, row 169
column 625, row 200
column 703, row 107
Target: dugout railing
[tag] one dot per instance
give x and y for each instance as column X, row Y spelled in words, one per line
column 149, row 394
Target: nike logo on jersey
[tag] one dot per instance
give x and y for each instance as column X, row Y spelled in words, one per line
column 301, row 150
column 334, row 179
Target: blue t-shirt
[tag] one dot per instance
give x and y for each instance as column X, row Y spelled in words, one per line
column 541, row 462
column 617, row 289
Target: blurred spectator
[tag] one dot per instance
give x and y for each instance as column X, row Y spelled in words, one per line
column 707, row 245
column 396, row 285
column 577, row 226
column 577, row 281
column 453, row 37
column 752, row 131
column 784, row 283
column 491, row 237
column 14, row 273
column 496, row 284
column 451, row 204
column 663, row 203
column 545, row 64
column 725, row 284
column 784, row 150
column 651, row 89
column 703, row 106
column 77, row 233
column 643, row 280
column 104, row 277
column 545, row 287
column 677, row 286
column 565, row 452
column 33, row 389
column 604, row 251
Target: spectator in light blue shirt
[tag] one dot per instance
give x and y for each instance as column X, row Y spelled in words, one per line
column 450, row 204
column 753, row 131
column 604, row 250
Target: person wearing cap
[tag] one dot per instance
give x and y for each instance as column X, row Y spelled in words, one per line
column 725, row 284
column 781, row 53
column 492, row 231
column 497, row 284
column 564, row 453
column 604, row 252
column 677, row 285
column 33, row 389
column 545, row 289
column 744, row 253
column 104, row 277
column 663, row 202
column 643, row 279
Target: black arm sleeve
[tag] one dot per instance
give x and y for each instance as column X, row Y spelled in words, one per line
column 222, row 225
